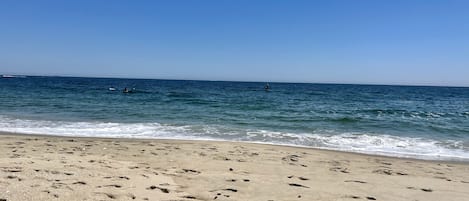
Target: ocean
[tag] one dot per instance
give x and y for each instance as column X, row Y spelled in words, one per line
column 404, row 121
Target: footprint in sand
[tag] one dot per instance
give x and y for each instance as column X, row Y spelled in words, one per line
column 164, row 190
column 339, row 169
column 438, row 177
column 422, row 189
column 79, row 182
column 297, row 185
column 291, row 158
column 191, row 171
column 113, row 185
column 123, row 177
column 300, row 178
column 356, row 181
column 358, row 197
column 388, row 172
column 11, row 169
column 220, row 194
column 231, row 189
column 13, row 177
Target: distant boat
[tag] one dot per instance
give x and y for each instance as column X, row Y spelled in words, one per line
column 128, row 91
column 8, row 76
column 112, row 89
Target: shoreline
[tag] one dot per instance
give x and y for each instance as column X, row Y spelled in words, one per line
column 43, row 167
column 445, row 160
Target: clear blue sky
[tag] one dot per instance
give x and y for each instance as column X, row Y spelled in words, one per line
column 350, row 41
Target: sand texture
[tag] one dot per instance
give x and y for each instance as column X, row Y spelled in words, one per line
column 63, row 168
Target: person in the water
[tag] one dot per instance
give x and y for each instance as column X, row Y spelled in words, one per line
column 267, row 87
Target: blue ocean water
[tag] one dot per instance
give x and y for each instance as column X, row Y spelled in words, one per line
column 404, row 121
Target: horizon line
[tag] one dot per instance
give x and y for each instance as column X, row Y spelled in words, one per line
column 250, row 81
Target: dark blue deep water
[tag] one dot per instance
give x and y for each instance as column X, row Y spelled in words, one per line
column 405, row 121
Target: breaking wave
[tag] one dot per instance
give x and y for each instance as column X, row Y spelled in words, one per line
column 389, row 145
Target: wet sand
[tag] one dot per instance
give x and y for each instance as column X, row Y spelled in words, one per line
column 34, row 167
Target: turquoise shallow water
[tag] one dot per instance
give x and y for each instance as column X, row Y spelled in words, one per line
column 417, row 122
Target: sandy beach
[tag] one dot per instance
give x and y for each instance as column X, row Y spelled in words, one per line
column 34, row 167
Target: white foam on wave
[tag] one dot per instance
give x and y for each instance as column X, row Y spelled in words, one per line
column 94, row 129
column 388, row 145
column 410, row 147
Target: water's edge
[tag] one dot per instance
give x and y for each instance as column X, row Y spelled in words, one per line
column 325, row 149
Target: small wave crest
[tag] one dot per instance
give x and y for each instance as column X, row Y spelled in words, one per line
column 93, row 129
column 388, row 145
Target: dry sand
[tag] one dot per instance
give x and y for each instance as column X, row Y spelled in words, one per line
column 64, row 168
